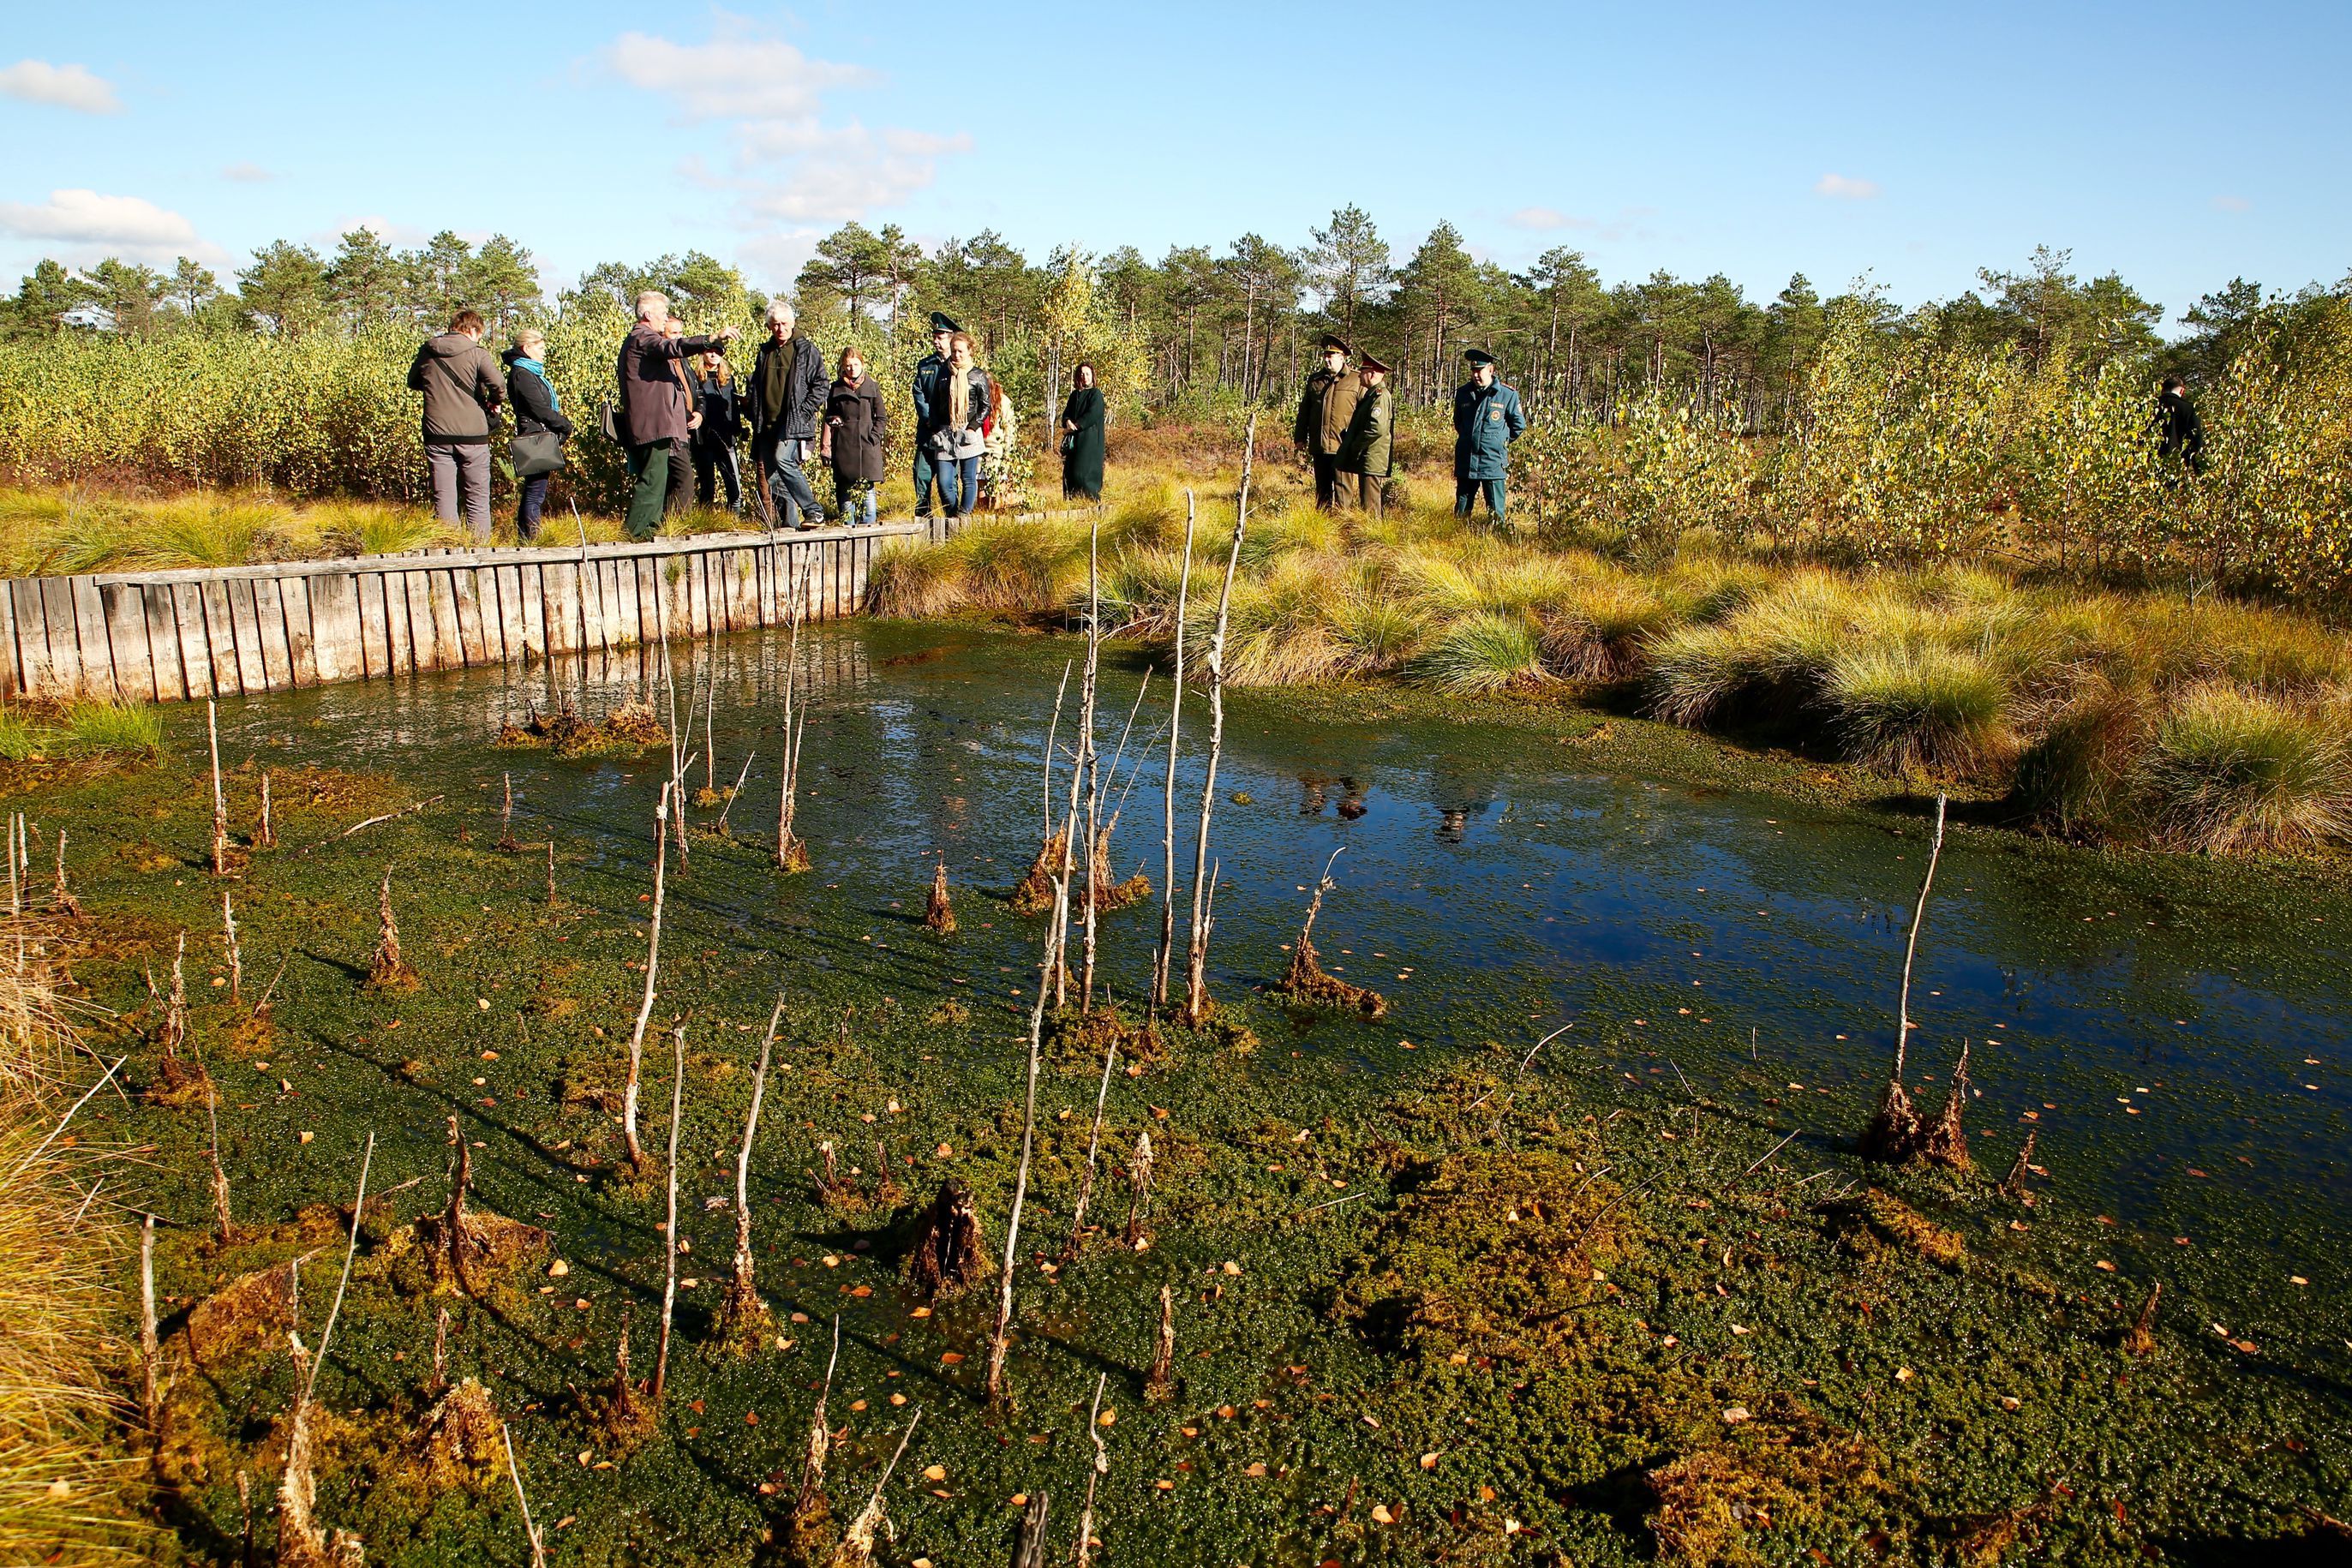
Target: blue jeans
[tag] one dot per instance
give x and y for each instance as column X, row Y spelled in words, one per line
column 922, row 479
column 853, row 501
column 528, row 507
column 958, row 485
column 1465, row 492
column 788, row 486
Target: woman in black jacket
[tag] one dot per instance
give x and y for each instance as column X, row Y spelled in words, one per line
column 538, row 411
column 856, row 434
column 713, row 442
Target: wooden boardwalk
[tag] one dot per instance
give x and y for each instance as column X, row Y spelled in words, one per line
column 160, row 637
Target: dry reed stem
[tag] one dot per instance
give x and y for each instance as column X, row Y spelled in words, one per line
column 670, row 1230
column 1162, row 956
column 646, row 1004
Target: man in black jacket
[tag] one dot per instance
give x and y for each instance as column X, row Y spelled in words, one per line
column 2179, row 434
column 785, row 400
column 927, row 414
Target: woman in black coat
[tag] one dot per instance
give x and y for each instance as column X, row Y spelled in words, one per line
column 538, row 411
column 857, row 432
column 1082, row 440
column 713, row 442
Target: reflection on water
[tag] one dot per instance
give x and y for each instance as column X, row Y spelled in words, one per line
column 2173, row 1029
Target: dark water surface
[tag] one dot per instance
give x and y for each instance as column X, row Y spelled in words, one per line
column 2174, row 1029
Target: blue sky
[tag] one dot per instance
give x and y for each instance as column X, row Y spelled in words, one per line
column 2181, row 145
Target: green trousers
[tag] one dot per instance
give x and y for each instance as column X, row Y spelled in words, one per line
column 649, row 466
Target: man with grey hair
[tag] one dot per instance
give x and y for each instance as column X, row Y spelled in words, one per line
column 786, row 398
column 653, row 413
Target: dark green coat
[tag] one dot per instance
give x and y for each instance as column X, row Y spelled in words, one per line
column 1368, row 447
column 1082, row 449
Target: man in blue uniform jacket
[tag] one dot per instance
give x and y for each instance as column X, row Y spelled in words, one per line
column 1487, row 419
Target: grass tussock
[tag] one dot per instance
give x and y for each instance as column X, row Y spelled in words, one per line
column 85, row 729
column 2230, row 769
column 59, row 1493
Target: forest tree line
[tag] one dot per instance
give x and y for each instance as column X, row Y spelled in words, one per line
column 1203, row 324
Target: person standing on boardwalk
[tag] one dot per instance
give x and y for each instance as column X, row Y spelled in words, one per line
column 1368, row 449
column 1082, row 438
column 719, row 404
column 1487, row 419
column 928, row 371
column 538, row 411
column 787, row 398
column 857, row 435
column 959, row 403
column 681, row 460
column 652, row 406
column 1323, row 411
column 461, row 386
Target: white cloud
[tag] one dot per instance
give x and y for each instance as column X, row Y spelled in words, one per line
column 85, row 225
column 734, row 76
column 1844, row 188
column 248, row 174
column 1542, row 218
column 68, row 87
column 794, row 169
column 2232, row 205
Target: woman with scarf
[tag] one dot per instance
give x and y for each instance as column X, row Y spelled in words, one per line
column 538, row 411
column 959, row 443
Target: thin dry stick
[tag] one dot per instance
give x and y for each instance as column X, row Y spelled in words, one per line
column 221, row 1221
column 151, row 1354
column 267, row 836
column 709, row 740
column 1163, row 1356
column 506, row 817
column 235, row 953
column 645, row 1006
column 16, row 886
column 1001, row 1336
column 1167, row 825
column 1094, row 1147
column 440, row 1350
column 1196, row 992
column 820, row 1442
column 857, row 1541
column 1911, row 948
column 220, row 796
column 735, row 794
column 1089, row 758
column 1894, row 1133
column 677, row 757
column 669, row 1231
column 1095, row 1472
column 350, row 1251
column 62, row 897
column 538, row 1552
column 746, row 1295
column 789, row 854
column 550, row 873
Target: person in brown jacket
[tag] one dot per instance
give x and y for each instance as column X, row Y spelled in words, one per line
column 1324, row 411
column 653, row 413
column 462, row 385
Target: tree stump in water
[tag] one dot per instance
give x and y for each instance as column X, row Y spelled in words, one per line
column 949, row 1254
column 939, row 914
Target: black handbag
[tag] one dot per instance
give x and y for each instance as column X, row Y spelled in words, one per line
column 541, row 452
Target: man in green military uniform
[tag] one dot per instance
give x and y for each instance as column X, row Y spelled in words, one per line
column 1487, row 419
column 1367, row 449
column 1323, row 411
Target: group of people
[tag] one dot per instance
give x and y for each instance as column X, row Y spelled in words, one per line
column 684, row 419
column 1347, row 429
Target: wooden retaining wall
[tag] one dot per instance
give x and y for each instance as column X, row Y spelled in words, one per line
column 162, row 637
